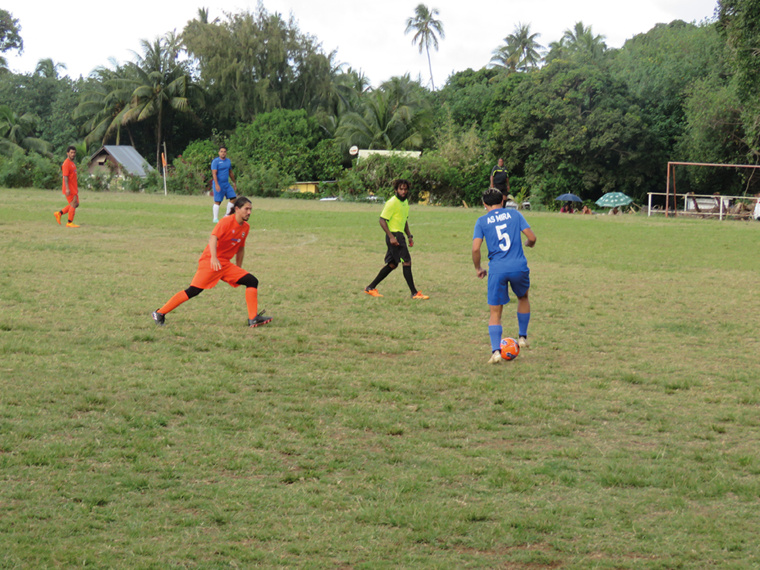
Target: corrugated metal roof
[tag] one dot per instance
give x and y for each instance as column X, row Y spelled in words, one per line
column 128, row 157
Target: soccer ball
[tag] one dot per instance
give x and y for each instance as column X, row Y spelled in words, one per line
column 509, row 348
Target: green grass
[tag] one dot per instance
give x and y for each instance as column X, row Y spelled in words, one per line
column 355, row 432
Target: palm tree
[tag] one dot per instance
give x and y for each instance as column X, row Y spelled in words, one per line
column 557, row 50
column 161, row 84
column 425, row 28
column 386, row 120
column 103, row 103
column 580, row 40
column 48, row 68
column 16, row 132
column 520, row 51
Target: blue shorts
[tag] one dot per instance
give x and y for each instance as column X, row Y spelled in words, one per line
column 226, row 191
column 498, row 286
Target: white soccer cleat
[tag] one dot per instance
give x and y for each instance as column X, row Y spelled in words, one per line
column 495, row 357
column 523, row 342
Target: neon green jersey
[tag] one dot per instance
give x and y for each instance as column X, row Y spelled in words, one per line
column 395, row 212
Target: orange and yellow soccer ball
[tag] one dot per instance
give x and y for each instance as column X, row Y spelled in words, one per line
column 509, row 348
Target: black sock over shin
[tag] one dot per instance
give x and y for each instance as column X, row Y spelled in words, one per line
column 384, row 272
column 409, row 278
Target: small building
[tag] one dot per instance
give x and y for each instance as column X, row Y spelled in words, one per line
column 310, row 187
column 119, row 160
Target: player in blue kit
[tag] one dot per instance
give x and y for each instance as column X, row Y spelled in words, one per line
column 501, row 229
column 221, row 172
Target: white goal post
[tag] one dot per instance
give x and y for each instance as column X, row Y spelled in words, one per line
column 721, row 202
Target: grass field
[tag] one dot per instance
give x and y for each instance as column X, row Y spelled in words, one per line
column 355, row 432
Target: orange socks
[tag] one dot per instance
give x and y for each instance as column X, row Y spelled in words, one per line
column 174, row 302
column 252, row 301
column 70, row 211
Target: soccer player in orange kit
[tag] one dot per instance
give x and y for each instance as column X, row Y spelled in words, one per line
column 227, row 239
column 70, row 188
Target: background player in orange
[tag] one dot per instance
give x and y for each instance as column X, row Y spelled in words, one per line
column 70, row 189
column 227, row 239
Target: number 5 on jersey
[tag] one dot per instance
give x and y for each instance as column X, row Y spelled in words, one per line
column 503, row 237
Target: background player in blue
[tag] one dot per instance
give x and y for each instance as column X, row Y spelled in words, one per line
column 221, row 172
column 501, row 228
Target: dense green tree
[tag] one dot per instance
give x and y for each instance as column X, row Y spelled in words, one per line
column 713, row 133
column 663, row 69
column 51, row 100
column 286, row 140
column 255, row 62
column 740, row 24
column 571, row 128
column 426, row 30
column 10, row 37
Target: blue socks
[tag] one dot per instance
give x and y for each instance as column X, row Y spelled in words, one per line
column 494, row 331
column 522, row 323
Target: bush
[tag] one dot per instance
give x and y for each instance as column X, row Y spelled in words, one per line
column 264, row 181
column 21, row 170
column 198, row 155
column 185, row 178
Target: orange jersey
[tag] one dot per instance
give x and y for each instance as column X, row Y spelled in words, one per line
column 69, row 170
column 230, row 238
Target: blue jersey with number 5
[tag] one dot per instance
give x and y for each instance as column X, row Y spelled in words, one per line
column 501, row 229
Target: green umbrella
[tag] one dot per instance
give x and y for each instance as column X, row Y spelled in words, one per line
column 613, row 200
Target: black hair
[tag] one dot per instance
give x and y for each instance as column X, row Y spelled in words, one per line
column 222, row 147
column 239, row 203
column 71, row 147
column 399, row 181
column 493, row 196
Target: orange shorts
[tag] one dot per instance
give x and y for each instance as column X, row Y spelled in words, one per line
column 71, row 196
column 205, row 278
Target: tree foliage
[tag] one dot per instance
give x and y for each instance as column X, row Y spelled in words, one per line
column 256, row 62
column 570, row 128
column 740, row 23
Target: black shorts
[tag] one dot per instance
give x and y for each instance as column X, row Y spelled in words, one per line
column 398, row 254
column 501, row 186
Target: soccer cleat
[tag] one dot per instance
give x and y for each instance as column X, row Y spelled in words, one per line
column 216, row 221
column 495, row 357
column 160, row 318
column 372, row 292
column 523, row 342
column 71, row 225
column 57, row 217
column 259, row 320
column 420, row 295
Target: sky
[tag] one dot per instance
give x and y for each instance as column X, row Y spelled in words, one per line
column 368, row 36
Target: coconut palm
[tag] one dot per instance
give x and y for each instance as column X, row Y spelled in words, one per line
column 580, row 40
column 103, row 103
column 520, row 51
column 16, row 132
column 48, row 68
column 384, row 122
column 425, row 27
column 162, row 84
